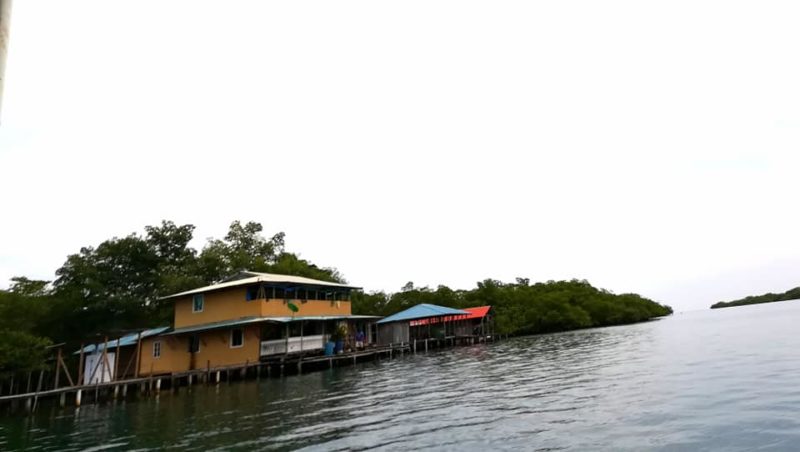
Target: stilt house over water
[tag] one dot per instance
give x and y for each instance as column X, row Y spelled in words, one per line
column 429, row 321
column 246, row 318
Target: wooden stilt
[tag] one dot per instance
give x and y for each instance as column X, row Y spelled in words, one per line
column 58, row 368
column 38, row 389
column 138, row 355
column 80, row 366
column 115, row 376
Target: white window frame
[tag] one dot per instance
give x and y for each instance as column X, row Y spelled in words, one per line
column 202, row 298
column 156, row 349
column 230, row 342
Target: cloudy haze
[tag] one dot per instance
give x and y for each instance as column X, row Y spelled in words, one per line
column 644, row 146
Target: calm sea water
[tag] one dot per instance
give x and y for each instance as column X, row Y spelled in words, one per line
column 711, row 380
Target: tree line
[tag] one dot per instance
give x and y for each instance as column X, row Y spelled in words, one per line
column 115, row 288
column 525, row 308
column 791, row 294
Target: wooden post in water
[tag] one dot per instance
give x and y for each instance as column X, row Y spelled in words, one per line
column 106, row 366
column 138, row 354
column 58, row 368
column 80, row 366
column 38, row 389
column 116, row 362
column 286, row 346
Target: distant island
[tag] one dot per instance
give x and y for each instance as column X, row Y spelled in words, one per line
column 791, row 294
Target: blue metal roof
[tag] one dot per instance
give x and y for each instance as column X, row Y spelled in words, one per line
column 124, row 341
column 422, row 311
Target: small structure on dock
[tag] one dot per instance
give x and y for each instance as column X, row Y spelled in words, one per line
column 403, row 327
column 113, row 360
column 478, row 321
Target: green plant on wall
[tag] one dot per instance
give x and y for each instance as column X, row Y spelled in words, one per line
column 339, row 333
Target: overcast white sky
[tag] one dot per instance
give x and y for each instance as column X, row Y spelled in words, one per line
column 645, row 146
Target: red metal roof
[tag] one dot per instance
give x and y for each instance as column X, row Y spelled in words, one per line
column 474, row 313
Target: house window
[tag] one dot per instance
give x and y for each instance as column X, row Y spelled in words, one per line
column 237, row 338
column 194, row 344
column 157, row 349
column 197, row 303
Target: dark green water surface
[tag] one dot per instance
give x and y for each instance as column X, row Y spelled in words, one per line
column 711, row 380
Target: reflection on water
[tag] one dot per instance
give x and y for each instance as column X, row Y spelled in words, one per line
column 721, row 380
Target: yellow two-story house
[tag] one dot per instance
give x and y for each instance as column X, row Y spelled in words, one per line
column 247, row 318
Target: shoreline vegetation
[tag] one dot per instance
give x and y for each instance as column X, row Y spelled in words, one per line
column 789, row 295
column 115, row 288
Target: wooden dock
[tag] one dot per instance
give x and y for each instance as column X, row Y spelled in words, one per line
column 268, row 367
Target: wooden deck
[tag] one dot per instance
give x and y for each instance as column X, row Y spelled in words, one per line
column 267, row 367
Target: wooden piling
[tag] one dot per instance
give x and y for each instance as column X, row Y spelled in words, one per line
column 58, row 369
column 138, row 355
column 80, row 366
column 38, row 389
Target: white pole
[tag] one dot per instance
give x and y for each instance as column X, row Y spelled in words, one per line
column 5, row 18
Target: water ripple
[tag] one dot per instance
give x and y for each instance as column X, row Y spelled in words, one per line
column 719, row 380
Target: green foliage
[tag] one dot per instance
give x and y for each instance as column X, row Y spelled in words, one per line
column 22, row 345
column 791, row 294
column 339, row 333
column 117, row 285
column 21, row 352
column 522, row 308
